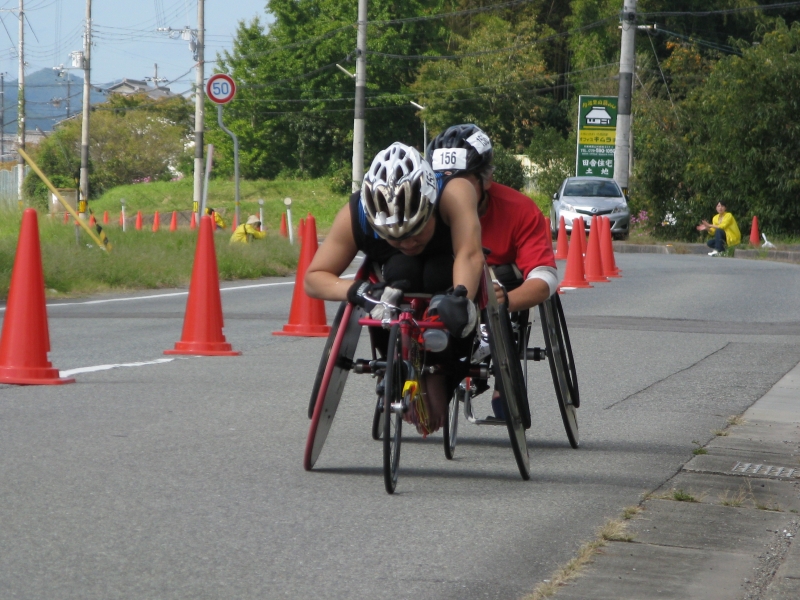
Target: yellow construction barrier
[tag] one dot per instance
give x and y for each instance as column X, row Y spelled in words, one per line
column 101, row 243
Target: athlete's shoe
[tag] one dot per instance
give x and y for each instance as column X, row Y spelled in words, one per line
column 713, row 253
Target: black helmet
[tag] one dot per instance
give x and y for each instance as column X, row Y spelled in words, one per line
column 476, row 150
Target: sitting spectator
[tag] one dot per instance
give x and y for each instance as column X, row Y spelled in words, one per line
column 246, row 232
column 723, row 230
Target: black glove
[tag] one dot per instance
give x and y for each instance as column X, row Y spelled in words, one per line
column 365, row 294
column 457, row 312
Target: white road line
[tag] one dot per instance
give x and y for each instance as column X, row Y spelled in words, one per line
column 71, row 372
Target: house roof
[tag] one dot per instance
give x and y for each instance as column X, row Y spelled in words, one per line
column 136, row 86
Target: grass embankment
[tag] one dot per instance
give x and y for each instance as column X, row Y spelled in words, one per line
column 308, row 196
column 139, row 259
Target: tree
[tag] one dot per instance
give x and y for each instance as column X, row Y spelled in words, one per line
column 129, row 140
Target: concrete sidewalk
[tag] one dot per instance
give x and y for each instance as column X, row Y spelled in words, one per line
column 724, row 526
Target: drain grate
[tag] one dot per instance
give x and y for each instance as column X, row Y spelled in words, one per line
column 764, row 470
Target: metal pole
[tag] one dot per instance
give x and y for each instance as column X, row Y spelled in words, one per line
column 361, row 94
column 261, row 213
column 21, row 101
column 235, row 157
column 199, row 111
column 289, row 223
column 626, row 68
column 87, row 90
column 123, row 215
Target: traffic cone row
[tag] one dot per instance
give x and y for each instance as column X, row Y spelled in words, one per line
column 587, row 262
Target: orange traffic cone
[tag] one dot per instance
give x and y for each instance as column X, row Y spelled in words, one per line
column 579, row 226
column 307, row 316
column 283, row 231
column 139, row 221
column 156, row 222
column 574, row 276
column 193, row 221
column 66, row 218
column 105, row 217
column 755, row 235
column 607, row 249
column 202, row 325
column 92, row 221
column 235, row 223
column 25, row 340
column 562, row 246
column 213, row 223
column 593, row 267
column 173, row 224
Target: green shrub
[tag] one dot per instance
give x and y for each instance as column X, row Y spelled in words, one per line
column 508, row 169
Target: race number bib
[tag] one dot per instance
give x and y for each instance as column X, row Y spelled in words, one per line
column 446, row 159
column 480, row 141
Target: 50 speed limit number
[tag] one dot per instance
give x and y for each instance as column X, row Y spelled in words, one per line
column 220, row 88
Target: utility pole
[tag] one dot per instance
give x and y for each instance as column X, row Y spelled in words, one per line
column 21, row 101
column 626, row 67
column 2, row 115
column 199, row 108
column 361, row 94
column 87, row 90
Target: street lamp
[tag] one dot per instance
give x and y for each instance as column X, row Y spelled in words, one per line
column 424, row 130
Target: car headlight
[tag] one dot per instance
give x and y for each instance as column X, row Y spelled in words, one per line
column 567, row 207
column 620, row 208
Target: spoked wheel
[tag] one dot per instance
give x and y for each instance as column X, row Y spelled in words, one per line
column 510, row 381
column 395, row 380
column 562, row 365
column 450, row 429
column 334, row 367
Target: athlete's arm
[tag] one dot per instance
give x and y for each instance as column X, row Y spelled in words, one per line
column 458, row 207
column 333, row 257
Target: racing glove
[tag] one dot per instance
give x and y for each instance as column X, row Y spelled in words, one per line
column 458, row 313
column 365, row 294
column 390, row 295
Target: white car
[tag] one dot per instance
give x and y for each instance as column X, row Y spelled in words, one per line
column 587, row 197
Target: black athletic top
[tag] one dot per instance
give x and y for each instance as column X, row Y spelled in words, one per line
column 379, row 250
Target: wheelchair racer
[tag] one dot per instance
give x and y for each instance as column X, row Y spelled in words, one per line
column 512, row 226
column 422, row 241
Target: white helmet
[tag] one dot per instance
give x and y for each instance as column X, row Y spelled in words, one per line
column 399, row 192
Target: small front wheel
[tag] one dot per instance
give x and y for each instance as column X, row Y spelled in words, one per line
column 450, row 429
column 395, row 380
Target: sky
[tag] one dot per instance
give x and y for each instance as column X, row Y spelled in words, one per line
column 125, row 41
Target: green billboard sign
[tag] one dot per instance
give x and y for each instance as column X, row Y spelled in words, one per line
column 597, row 132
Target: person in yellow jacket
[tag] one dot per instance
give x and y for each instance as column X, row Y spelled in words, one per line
column 723, row 230
column 215, row 215
column 245, row 232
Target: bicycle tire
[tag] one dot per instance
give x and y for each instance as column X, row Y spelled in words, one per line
column 551, row 327
column 395, row 380
column 510, row 382
column 450, row 427
column 377, row 421
column 344, row 343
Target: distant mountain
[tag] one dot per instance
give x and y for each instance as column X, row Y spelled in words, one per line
column 47, row 97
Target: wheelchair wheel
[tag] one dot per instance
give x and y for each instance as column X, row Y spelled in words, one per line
column 323, row 361
column 395, row 380
column 338, row 360
column 562, row 365
column 572, row 374
column 510, row 381
column 450, row 428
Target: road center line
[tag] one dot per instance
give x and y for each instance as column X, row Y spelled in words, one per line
column 71, row 372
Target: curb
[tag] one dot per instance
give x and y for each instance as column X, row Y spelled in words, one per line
column 724, row 526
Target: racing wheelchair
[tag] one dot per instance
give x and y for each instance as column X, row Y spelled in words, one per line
column 405, row 360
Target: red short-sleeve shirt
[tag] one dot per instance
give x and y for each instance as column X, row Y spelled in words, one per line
column 516, row 231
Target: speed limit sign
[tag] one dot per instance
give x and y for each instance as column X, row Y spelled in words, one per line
column 220, row 88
